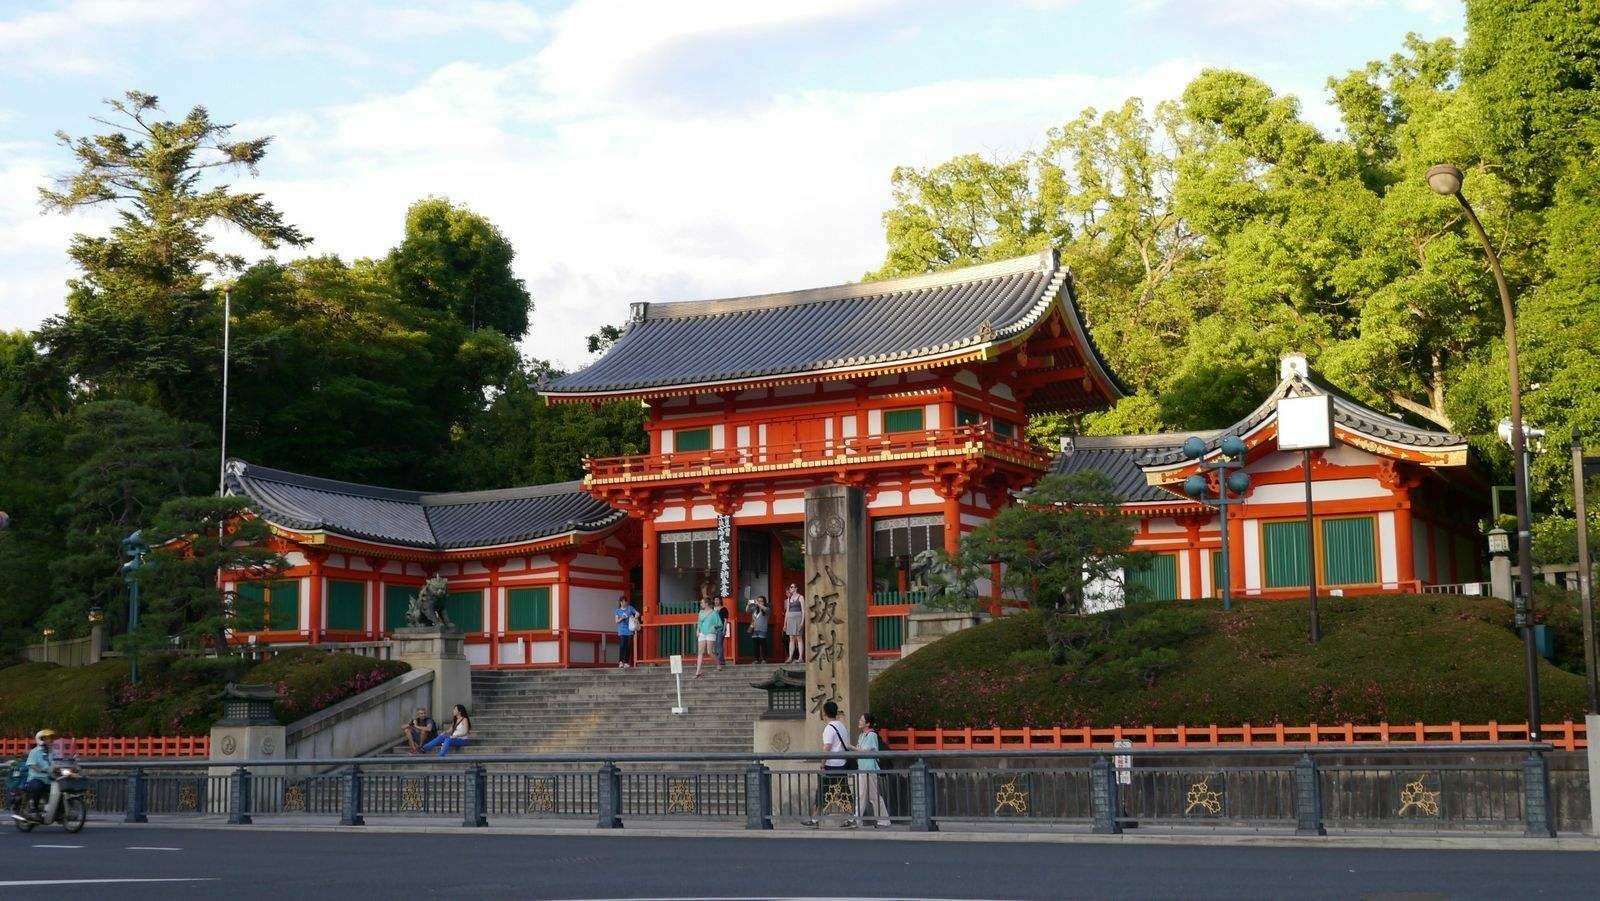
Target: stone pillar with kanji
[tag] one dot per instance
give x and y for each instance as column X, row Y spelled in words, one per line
column 837, row 583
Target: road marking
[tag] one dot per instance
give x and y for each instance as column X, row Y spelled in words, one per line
column 58, row 846
column 18, row 883
column 149, row 848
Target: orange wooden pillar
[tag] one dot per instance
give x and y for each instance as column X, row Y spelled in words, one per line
column 315, row 613
column 650, row 594
column 494, row 630
column 564, row 585
column 1236, row 579
column 1404, row 552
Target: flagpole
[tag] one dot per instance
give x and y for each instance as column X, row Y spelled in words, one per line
column 227, row 316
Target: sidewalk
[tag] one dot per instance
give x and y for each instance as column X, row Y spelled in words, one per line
column 949, row 832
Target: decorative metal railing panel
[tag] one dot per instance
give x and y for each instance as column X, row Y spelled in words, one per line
column 718, row 795
column 1243, row 795
column 543, row 794
column 1465, row 796
column 984, row 794
column 412, row 794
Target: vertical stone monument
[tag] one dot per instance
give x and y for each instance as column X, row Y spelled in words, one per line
column 837, row 582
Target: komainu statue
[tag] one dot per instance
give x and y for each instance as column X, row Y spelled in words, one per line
column 427, row 605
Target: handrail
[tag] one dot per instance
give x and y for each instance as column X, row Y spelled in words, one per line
column 743, row 757
column 963, row 439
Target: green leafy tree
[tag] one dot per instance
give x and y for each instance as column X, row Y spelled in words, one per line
column 140, row 321
column 456, row 261
column 1067, row 536
column 34, row 399
column 129, row 459
column 192, row 539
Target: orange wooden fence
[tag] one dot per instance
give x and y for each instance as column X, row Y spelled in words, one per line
column 1567, row 736
column 139, row 746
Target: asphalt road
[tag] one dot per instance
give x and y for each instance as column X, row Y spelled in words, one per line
column 244, row 863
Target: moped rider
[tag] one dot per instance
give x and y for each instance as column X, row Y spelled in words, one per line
column 39, row 765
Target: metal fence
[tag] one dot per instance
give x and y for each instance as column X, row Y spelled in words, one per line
column 1498, row 787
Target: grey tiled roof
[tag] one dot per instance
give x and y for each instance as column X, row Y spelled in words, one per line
column 840, row 327
column 418, row 519
column 1119, row 457
column 1347, row 412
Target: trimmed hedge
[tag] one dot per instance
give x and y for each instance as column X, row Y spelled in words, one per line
column 1433, row 658
column 175, row 695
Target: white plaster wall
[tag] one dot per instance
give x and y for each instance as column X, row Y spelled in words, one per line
column 1252, row 554
column 888, row 499
column 847, row 426
column 666, row 441
column 591, row 608
column 1003, row 391
column 473, row 568
column 930, row 416
column 338, row 561
column 718, row 437
column 785, row 506
column 360, row 564
column 1207, row 589
column 972, row 519
column 924, row 496
column 752, row 508
column 294, row 558
column 1165, row 525
column 1183, row 574
column 671, row 514
column 874, row 422
column 1331, row 490
column 415, row 569
column 582, row 652
column 393, row 566
column 546, row 652
column 477, row 654
column 742, row 435
column 1344, row 455
column 1388, row 565
column 968, row 378
column 703, row 511
column 305, row 603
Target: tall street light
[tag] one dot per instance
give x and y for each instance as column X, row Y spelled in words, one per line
column 1229, row 468
column 1446, row 179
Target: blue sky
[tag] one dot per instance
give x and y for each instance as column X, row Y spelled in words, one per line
column 631, row 150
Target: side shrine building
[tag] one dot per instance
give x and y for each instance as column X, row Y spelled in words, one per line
column 916, row 390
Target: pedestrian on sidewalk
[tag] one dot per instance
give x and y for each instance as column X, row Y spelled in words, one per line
column 459, row 735
column 627, row 627
column 833, row 786
column 708, row 629
column 870, row 786
column 794, row 623
column 760, row 619
column 727, row 630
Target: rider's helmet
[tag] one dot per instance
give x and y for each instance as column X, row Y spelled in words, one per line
column 43, row 736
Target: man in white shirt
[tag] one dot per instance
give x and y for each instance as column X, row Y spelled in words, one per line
column 834, row 783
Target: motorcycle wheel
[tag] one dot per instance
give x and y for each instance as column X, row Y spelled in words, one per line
column 74, row 814
column 24, row 825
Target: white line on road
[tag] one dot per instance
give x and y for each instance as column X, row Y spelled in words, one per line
column 15, row 883
column 149, row 848
column 58, row 846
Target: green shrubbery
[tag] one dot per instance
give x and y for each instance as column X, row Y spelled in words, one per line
column 175, row 695
column 1432, row 658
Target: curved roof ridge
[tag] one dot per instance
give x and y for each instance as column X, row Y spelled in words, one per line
column 446, row 498
column 1043, row 261
column 318, row 483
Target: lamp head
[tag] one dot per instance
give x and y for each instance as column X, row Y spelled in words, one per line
column 1233, row 446
column 1194, row 448
column 1499, row 542
column 1195, row 486
column 1238, row 482
column 1445, row 179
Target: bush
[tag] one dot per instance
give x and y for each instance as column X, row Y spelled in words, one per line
column 1433, row 658
column 175, row 695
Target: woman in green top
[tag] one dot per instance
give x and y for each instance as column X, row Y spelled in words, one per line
column 869, row 790
column 709, row 629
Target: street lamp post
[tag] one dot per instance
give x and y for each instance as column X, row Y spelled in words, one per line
column 1230, row 477
column 134, row 548
column 1446, row 179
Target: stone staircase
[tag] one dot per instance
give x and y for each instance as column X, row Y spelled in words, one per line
column 615, row 710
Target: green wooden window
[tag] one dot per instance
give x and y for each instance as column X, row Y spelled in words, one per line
column 1216, row 572
column 1158, row 578
column 888, row 633
column 1441, row 555
column 396, row 598
column 249, row 605
column 906, row 420
column 465, row 609
column 691, row 440
column 528, row 609
column 968, row 417
column 676, row 639
column 1349, row 551
column 1283, row 552
column 273, row 606
column 1004, row 429
column 346, row 605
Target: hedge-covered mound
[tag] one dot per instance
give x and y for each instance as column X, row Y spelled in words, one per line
column 175, row 695
column 1432, row 658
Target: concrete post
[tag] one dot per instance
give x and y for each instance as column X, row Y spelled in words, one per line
column 1307, row 798
column 136, row 798
column 1500, row 577
column 1591, row 724
column 1103, row 797
column 837, row 584
column 351, row 814
column 757, row 797
column 610, row 797
column 1536, row 796
column 239, row 798
column 474, row 806
column 440, row 651
column 922, row 798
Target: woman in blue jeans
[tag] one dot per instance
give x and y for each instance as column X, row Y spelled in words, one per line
column 458, row 736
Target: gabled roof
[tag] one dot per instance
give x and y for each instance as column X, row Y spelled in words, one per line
column 1119, row 458
column 912, row 322
column 1432, row 446
column 415, row 519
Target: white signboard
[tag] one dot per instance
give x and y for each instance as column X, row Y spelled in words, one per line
column 1123, row 762
column 724, row 557
column 1305, row 423
column 676, row 662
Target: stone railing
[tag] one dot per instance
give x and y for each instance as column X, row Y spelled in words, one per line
column 362, row 724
